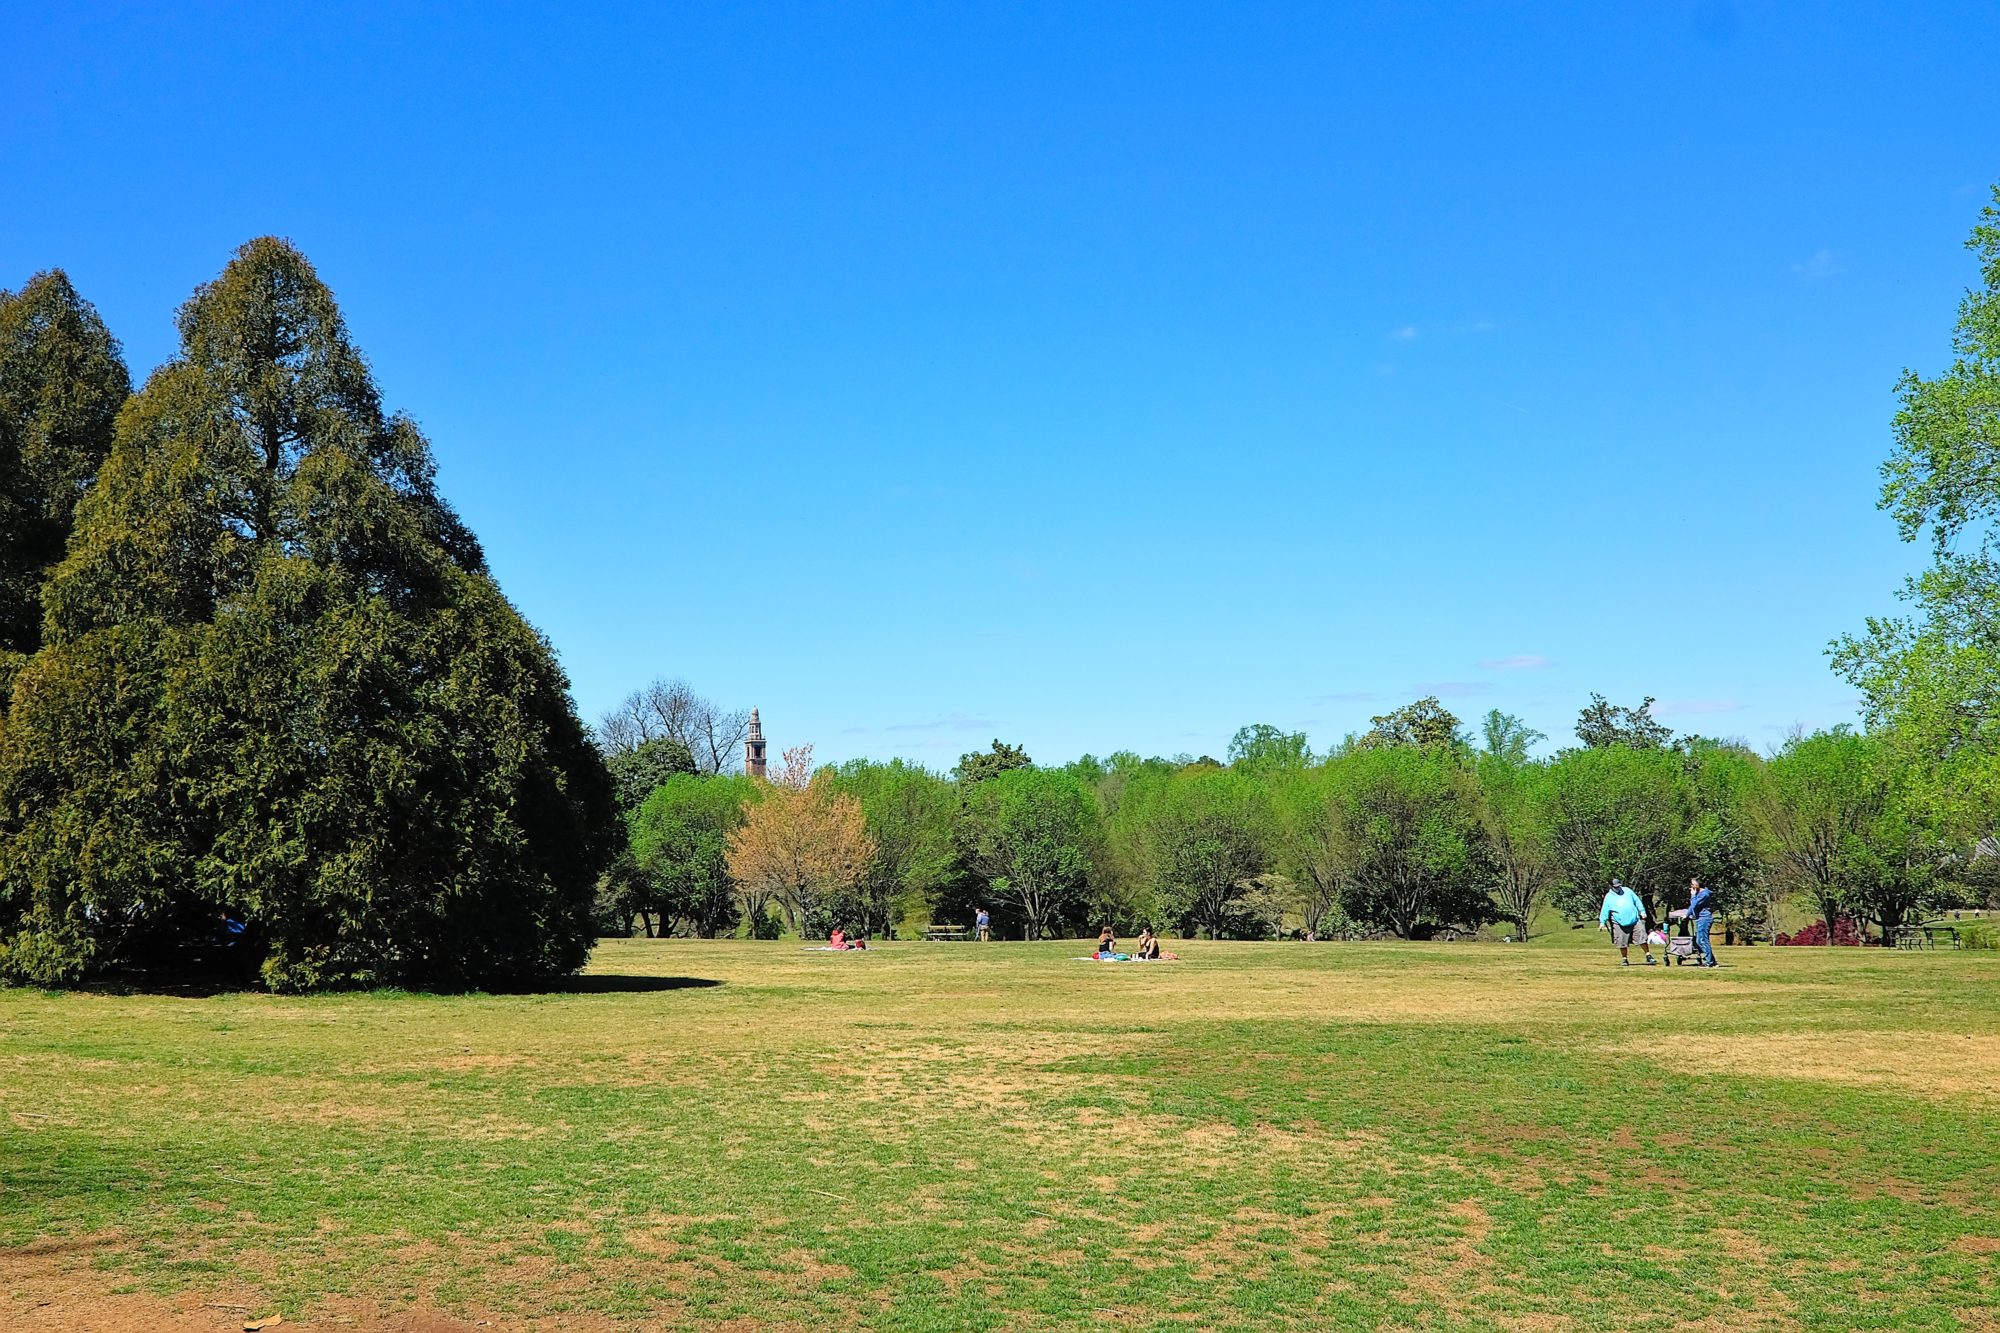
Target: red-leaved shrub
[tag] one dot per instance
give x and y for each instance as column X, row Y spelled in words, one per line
column 1844, row 932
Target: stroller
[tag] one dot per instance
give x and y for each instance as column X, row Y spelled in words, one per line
column 1680, row 945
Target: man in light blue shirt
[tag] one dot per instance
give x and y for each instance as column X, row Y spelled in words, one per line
column 1625, row 913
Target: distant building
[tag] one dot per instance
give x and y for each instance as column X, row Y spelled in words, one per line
column 753, row 747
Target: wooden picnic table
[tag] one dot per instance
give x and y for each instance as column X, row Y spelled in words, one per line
column 946, row 934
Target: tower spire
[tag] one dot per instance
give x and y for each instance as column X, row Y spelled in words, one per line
column 753, row 747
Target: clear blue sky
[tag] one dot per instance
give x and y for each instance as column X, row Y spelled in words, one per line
column 1093, row 376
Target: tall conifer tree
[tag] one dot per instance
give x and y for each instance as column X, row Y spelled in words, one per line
column 62, row 382
column 282, row 706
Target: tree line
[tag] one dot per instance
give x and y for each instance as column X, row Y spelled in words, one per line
column 1414, row 828
column 264, row 709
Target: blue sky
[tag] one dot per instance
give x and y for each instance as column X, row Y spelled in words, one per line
column 1093, row 376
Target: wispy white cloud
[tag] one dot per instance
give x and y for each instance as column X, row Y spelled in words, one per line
column 1453, row 689
column 1519, row 662
column 1820, row 264
column 1408, row 333
column 1350, row 697
column 944, row 722
column 1695, row 707
column 948, row 722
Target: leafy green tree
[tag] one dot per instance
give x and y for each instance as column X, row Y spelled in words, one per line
column 909, row 812
column 1841, row 833
column 980, row 765
column 1898, row 869
column 638, row 772
column 1034, row 837
column 1127, row 896
column 1931, row 678
column 1263, row 747
column 62, row 382
column 279, row 687
column 1507, row 737
column 1419, row 856
column 1513, row 810
column 1203, row 835
column 680, row 840
column 623, row 896
column 1723, row 779
column 1620, row 811
column 1311, row 843
column 1425, row 723
column 1119, row 772
column 1603, row 724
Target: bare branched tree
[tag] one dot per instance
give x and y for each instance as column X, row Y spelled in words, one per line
column 671, row 710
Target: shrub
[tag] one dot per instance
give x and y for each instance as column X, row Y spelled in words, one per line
column 1844, row 932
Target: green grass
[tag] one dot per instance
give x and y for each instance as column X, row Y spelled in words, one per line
column 934, row 1137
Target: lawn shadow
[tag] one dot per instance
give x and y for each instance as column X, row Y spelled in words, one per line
column 605, row 983
column 199, row 987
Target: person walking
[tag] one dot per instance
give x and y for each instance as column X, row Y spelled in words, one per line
column 1701, row 911
column 984, row 924
column 1625, row 913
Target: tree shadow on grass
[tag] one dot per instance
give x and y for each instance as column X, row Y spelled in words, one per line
column 199, row 987
column 604, row 983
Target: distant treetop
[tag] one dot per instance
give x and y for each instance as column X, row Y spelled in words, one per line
column 1603, row 724
column 1425, row 723
column 980, row 765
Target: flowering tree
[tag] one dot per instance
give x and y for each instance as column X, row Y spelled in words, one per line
column 804, row 844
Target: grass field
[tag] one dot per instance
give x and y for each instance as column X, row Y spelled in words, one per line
column 747, row 1136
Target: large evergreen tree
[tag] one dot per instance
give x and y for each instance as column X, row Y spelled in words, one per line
column 61, row 385
column 281, row 701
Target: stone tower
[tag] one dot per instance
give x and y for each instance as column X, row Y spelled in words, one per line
column 753, row 747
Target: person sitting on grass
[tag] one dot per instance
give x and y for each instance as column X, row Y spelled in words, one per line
column 858, row 940
column 1149, row 945
column 837, row 940
column 1625, row 913
column 1107, row 943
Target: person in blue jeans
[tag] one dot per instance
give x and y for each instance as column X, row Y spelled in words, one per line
column 1701, row 911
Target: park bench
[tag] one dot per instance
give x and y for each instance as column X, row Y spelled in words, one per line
column 1926, row 934
column 946, row 934
column 1938, row 930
